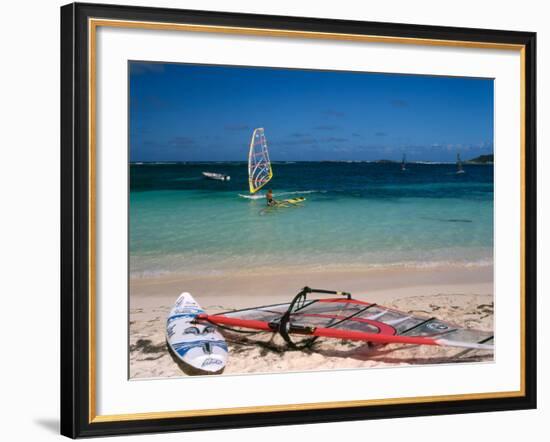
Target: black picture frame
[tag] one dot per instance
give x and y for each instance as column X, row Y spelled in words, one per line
column 76, row 417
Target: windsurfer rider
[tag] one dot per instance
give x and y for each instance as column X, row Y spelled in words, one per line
column 269, row 198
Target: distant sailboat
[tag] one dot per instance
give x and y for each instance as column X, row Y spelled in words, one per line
column 459, row 168
column 403, row 162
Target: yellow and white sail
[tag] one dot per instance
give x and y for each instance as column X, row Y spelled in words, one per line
column 259, row 165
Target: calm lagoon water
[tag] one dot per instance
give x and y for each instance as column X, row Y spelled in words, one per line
column 361, row 214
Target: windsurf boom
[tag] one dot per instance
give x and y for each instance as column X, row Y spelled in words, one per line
column 350, row 319
column 259, row 165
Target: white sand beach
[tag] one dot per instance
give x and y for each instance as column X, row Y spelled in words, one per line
column 459, row 294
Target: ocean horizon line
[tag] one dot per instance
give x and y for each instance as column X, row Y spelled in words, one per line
column 380, row 161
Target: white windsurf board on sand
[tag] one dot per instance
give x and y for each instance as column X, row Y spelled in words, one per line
column 199, row 347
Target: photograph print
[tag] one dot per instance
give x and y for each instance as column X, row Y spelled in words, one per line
column 292, row 220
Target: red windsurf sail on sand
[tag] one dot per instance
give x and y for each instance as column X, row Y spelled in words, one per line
column 350, row 319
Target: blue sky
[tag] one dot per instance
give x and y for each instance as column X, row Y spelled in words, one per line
column 182, row 112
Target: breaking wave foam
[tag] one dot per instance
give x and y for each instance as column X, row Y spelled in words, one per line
column 297, row 192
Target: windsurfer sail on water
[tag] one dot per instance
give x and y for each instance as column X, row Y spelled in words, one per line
column 259, row 165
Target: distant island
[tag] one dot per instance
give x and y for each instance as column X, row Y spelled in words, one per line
column 482, row 159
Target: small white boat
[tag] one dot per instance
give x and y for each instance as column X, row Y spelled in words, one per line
column 216, row 176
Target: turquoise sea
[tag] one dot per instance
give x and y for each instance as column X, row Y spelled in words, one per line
column 355, row 214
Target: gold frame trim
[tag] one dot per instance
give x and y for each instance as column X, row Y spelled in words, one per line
column 93, row 24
